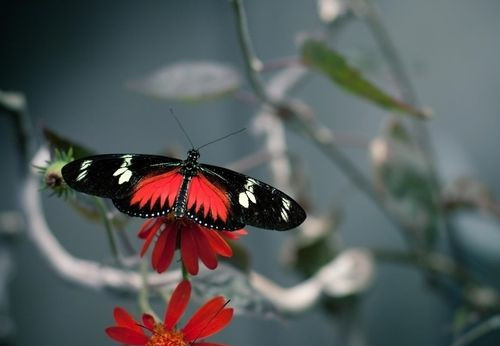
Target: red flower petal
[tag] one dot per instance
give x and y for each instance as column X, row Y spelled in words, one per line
column 159, row 248
column 124, row 319
column 169, row 249
column 126, row 336
column 148, row 321
column 144, row 230
column 189, row 251
column 219, row 322
column 205, row 251
column 149, row 236
column 234, row 235
column 218, row 244
column 177, row 304
column 206, row 319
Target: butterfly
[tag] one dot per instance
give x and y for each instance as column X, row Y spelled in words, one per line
column 150, row 186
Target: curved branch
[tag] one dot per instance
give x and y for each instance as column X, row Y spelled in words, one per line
column 82, row 272
column 332, row 279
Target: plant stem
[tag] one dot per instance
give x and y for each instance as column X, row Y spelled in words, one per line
column 328, row 146
column 488, row 326
column 185, row 274
column 310, row 128
column 369, row 13
column 252, row 63
column 14, row 105
column 143, row 298
column 433, row 262
column 107, row 225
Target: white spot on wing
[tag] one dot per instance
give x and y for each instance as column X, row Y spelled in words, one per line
column 124, row 173
column 127, row 160
column 243, row 200
column 251, row 196
column 82, row 175
column 284, row 214
column 83, row 169
column 125, row 177
column 85, row 164
column 253, row 181
column 120, row 171
column 286, row 204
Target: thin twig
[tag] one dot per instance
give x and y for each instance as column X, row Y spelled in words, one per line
column 484, row 328
column 14, row 104
column 107, row 225
column 252, row 64
column 82, row 272
column 321, row 135
column 367, row 10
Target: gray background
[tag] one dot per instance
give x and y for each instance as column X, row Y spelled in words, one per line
column 72, row 59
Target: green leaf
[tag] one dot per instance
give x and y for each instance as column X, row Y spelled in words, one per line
column 317, row 55
column 64, row 144
column 190, row 81
column 234, row 285
column 405, row 181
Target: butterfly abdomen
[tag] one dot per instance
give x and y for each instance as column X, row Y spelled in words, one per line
column 181, row 200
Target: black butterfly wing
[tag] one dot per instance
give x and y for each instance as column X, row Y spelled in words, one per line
column 116, row 176
column 255, row 203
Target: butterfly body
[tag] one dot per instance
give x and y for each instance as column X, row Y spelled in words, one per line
column 152, row 186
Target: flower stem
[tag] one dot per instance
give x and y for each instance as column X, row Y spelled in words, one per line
column 185, row 274
column 107, row 225
column 143, row 298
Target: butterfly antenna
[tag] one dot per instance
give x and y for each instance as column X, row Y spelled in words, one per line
column 223, row 137
column 181, row 127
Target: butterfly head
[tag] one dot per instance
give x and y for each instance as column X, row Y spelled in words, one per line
column 190, row 166
column 193, row 155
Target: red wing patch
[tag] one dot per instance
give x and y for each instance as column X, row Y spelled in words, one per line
column 163, row 187
column 212, row 198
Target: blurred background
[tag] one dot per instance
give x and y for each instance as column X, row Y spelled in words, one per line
column 73, row 61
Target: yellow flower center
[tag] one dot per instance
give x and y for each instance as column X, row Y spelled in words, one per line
column 162, row 337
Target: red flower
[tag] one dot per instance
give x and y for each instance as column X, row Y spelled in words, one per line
column 195, row 242
column 208, row 320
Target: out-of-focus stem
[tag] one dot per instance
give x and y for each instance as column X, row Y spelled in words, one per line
column 75, row 270
column 368, row 11
column 486, row 327
column 321, row 136
column 14, row 104
column 252, row 63
column 107, row 225
column 143, row 298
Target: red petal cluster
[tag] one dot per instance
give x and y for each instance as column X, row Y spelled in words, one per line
column 195, row 242
column 212, row 317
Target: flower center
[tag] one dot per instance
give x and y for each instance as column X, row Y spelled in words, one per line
column 162, row 337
